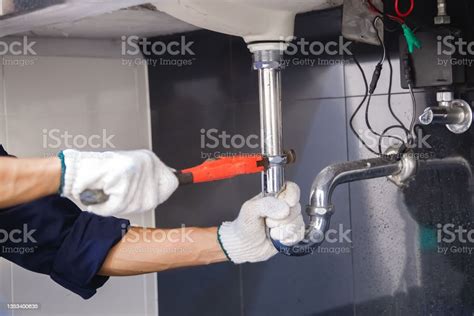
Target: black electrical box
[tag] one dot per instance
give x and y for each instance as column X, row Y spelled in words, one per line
column 443, row 59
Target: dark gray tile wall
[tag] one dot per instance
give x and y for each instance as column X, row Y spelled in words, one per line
column 387, row 269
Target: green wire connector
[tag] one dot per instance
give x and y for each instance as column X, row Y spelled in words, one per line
column 410, row 37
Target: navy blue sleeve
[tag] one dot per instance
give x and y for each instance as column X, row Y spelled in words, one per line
column 53, row 236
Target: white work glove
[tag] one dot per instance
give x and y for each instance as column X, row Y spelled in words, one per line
column 246, row 240
column 135, row 181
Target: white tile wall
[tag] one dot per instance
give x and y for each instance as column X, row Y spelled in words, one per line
column 82, row 96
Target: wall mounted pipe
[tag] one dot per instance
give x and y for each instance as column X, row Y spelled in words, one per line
column 320, row 208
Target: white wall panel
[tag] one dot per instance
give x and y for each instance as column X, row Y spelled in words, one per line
column 82, row 96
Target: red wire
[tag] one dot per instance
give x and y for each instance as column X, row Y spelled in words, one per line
column 374, row 9
column 407, row 13
column 396, row 19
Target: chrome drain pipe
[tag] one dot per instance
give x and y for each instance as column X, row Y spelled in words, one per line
column 268, row 64
column 321, row 208
column 399, row 170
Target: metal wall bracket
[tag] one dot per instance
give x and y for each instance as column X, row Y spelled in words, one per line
column 455, row 114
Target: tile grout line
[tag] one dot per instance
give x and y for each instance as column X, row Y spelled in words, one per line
column 349, row 191
column 333, row 98
column 357, row 96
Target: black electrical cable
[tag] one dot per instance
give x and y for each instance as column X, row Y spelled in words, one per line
column 369, row 90
column 408, row 74
column 351, row 121
column 382, row 43
column 413, row 103
column 386, row 131
column 390, row 30
column 375, row 78
column 385, row 18
column 380, row 135
column 394, row 18
column 418, row 130
column 378, row 68
column 402, row 126
column 373, row 85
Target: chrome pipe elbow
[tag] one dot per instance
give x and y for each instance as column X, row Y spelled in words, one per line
column 321, row 209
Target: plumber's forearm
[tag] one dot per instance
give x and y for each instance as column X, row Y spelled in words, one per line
column 147, row 250
column 25, row 180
